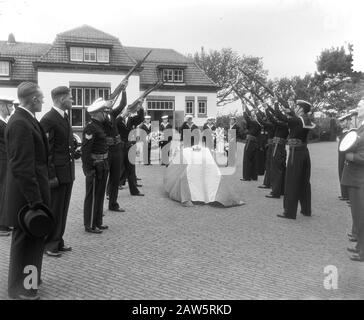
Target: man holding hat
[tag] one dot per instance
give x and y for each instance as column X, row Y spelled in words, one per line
column 165, row 126
column 61, row 165
column 147, row 127
column 6, row 109
column 297, row 181
column 27, row 192
column 188, row 125
column 95, row 166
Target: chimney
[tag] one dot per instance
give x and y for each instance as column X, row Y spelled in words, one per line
column 11, row 39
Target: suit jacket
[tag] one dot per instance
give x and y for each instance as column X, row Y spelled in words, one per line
column 3, row 164
column 27, row 172
column 133, row 121
column 353, row 172
column 61, row 147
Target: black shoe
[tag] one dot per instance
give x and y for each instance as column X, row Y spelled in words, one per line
column 357, row 257
column 353, row 250
column 93, row 230
column 139, row 185
column 116, row 209
column 284, row 216
column 138, row 178
column 353, row 239
column 103, row 227
column 242, row 179
column 306, row 214
column 263, row 187
column 272, row 196
column 5, row 233
column 55, row 254
column 65, row 248
column 138, row 194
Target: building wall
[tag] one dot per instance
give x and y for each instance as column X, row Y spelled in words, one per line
column 49, row 79
column 180, row 102
column 9, row 92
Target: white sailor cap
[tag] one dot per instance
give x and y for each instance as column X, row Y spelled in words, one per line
column 189, row 116
column 6, row 99
column 210, row 118
column 164, row 117
column 147, row 117
column 98, row 105
column 16, row 101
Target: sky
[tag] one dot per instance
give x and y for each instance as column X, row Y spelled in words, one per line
column 288, row 34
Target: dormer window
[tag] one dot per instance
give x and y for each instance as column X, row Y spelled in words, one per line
column 4, row 68
column 173, row 75
column 87, row 54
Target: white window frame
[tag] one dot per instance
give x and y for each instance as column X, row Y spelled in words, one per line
column 192, row 106
column 105, row 57
column 4, row 68
column 179, row 73
column 160, row 105
column 198, row 106
column 73, row 51
column 89, row 51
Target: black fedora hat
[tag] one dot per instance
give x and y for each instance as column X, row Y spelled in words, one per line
column 37, row 222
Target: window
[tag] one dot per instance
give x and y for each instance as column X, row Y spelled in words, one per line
column 82, row 98
column 90, row 54
column 160, row 105
column 4, row 68
column 202, row 107
column 102, row 55
column 189, row 107
column 76, row 54
column 173, row 75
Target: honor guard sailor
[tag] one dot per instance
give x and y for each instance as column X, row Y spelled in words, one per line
column 95, row 166
column 188, row 125
column 147, row 127
column 163, row 129
column 297, row 183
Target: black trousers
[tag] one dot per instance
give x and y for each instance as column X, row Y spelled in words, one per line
column 128, row 169
column 278, row 169
column 356, row 197
column 24, row 251
column 114, row 159
column 60, row 201
column 341, row 161
column 297, row 183
column 268, row 164
column 249, row 160
column 3, row 165
column 94, row 199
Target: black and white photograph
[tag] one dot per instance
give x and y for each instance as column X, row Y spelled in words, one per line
column 203, row 151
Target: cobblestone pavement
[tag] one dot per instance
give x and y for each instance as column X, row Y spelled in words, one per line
column 161, row 250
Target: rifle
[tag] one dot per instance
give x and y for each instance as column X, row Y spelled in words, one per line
column 280, row 100
column 242, row 97
column 115, row 94
column 132, row 107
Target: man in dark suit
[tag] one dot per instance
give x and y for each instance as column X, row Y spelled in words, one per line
column 6, row 108
column 61, row 165
column 27, row 183
column 353, row 179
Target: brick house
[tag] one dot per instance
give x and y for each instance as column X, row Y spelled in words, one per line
column 92, row 63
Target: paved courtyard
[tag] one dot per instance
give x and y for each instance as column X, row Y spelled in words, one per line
column 161, row 250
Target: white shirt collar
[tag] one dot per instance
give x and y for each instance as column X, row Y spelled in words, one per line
column 60, row 111
column 27, row 111
column 3, row 120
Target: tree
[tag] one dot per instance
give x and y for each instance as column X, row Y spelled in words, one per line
column 335, row 60
column 222, row 67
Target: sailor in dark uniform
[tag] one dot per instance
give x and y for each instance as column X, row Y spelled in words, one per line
column 126, row 123
column 6, row 108
column 266, row 143
column 114, row 142
column 251, row 146
column 297, row 183
column 279, row 154
column 95, row 166
column 147, row 127
column 165, row 129
column 189, row 126
column 210, row 128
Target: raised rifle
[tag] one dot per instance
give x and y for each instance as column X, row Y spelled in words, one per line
column 115, row 94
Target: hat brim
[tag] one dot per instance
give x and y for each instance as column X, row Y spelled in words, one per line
column 25, row 209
